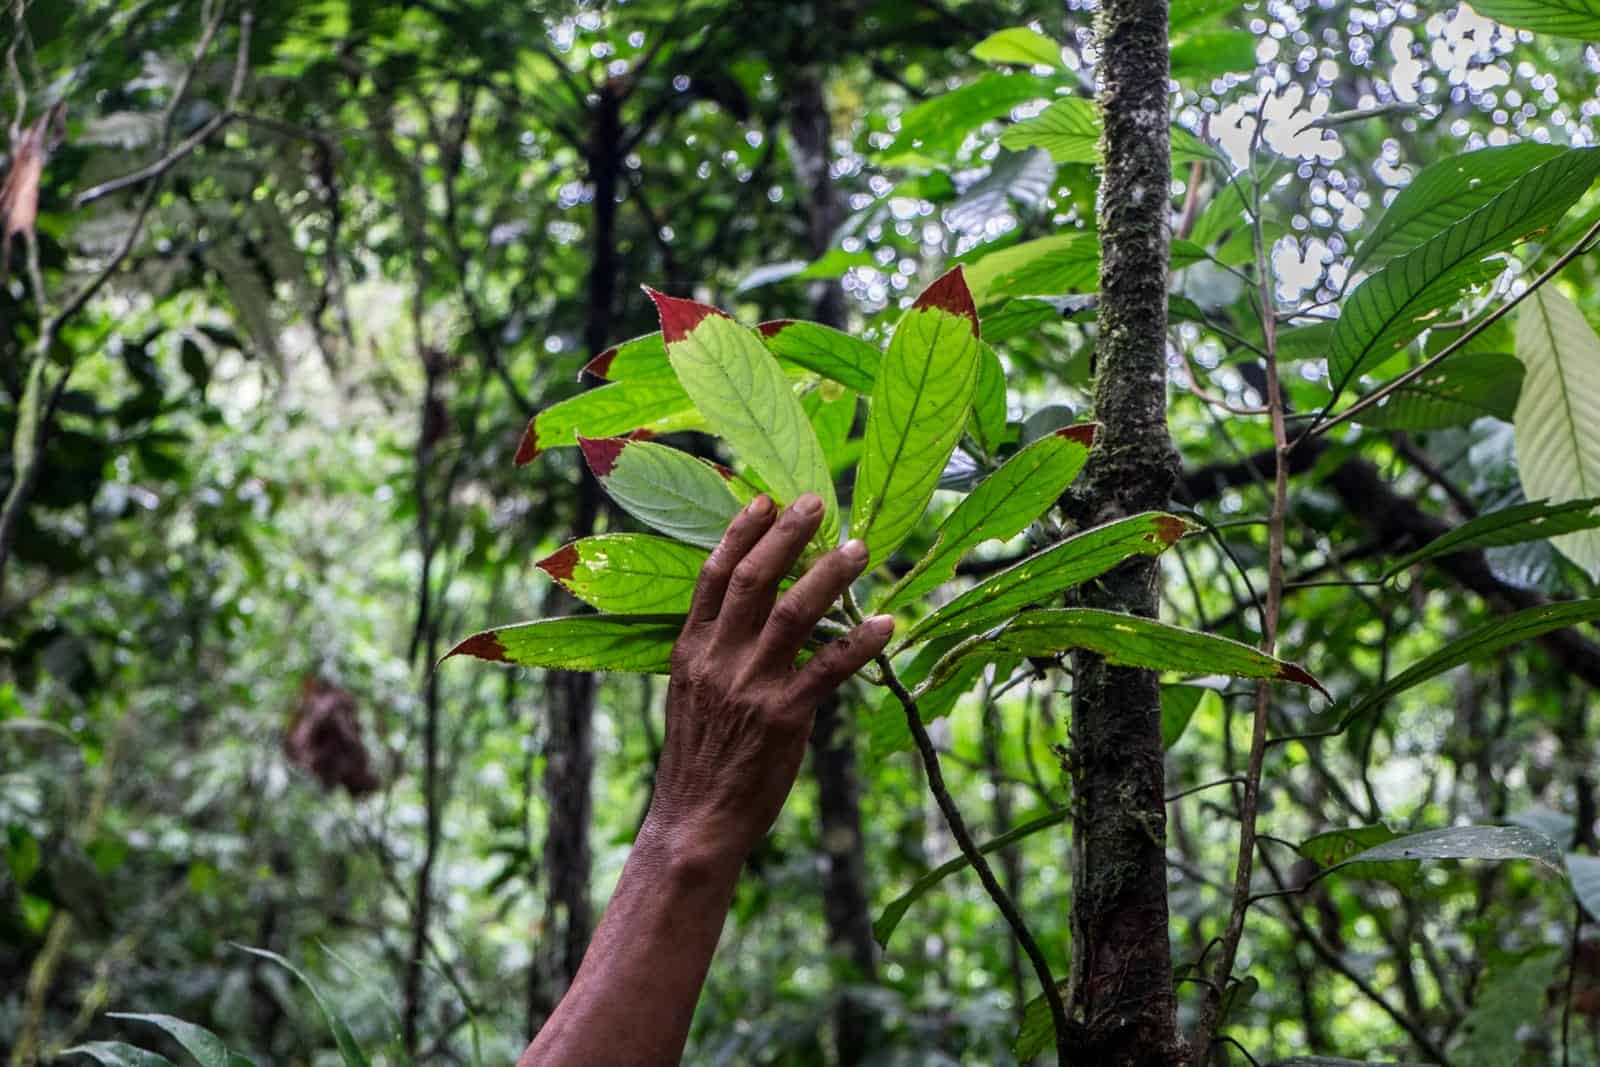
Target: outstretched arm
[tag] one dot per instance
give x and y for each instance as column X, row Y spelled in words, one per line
column 738, row 715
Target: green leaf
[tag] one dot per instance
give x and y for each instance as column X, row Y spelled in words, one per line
column 1020, row 45
column 1016, row 317
column 919, row 407
column 642, row 359
column 1335, row 849
column 831, row 418
column 1069, row 129
column 1016, row 180
column 349, row 1051
column 745, row 398
column 655, row 405
column 1048, row 266
column 1178, row 705
column 628, row 574
column 988, row 421
column 831, row 353
column 1510, row 998
column 1444, row 193
column 935, row 128
column 1393, row 306
column 1200, row 57
column 890, row 917
column 1127, row 641
column 118, row 1054
column 1479, row 645
column 1508, row 526
column 1466, row 843
column 1335, row 1061
column 197, row 1041
column 1558, row 413
column 999, row 507
column 672, row 491
column 1038, row 1029
column 1584, row 874
column 1577, row 19
column 1186, row 14
column 636, row 643
column 1466, row 387
column 1051, row 571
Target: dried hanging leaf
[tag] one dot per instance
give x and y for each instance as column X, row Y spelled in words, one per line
column 19, row 196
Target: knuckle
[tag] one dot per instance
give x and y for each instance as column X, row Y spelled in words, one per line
column 791, row 613
column 747, row 578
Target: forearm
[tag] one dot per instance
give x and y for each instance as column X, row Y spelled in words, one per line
column 634, row 996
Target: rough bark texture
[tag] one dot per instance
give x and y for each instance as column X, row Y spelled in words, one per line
column 846, row 902
column 1121, row 980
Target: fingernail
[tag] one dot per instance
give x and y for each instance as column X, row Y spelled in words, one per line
column 760, row 506
column 855, row 551
column 807, row 504
column 881, row 624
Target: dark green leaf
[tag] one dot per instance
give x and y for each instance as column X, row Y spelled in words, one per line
column 1508, row 526
column 197, row 1041
column 1577, row 19
column 637, row 643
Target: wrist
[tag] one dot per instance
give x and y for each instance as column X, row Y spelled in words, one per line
column 689, row 850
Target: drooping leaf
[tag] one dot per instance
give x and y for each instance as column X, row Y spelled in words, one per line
column 1466, row 843
column 1335, row 849
column 1393, row 306
column 639, row 359
column 1558, row 414
column 1508, row 526
column 1577, row 19
column 1050, row 572
column 207, row 1048
column 1445, row 192
column 988, row 420
column 936, row 127
column 920, row 406
column 635, row 643
column 349, row 1052
column 672, row 491
column 628, row 574
column 831, row 353
column 1019, row 45
column 895, row 910
column 1510, row 998
column 654, row 405
column 118, row 1054
column 1465, row 387
column 1584, row 874
column 1128, row 641
column 1480, row 644
column 745, row 398
column 1178, row 705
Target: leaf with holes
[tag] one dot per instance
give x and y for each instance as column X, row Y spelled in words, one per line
column 635, row 643
column 746, row 399
column 831, row 353
column 920, row 406
column 1558, row 413
column 653, row 406
column 672, row 491
column 1051, row 571
column 1445, row 192
column 628, row 574
column 1393, row 306
column 1508, row 526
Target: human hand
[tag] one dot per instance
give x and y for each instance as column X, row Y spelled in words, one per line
column 738, row 710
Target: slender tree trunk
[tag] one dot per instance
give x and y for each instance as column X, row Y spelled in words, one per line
column 846, row 900
column 1121, row 989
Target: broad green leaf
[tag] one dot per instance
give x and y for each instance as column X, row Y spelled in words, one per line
column 1465, row 387
column 1558, row 413
column 1186, row 14
column 1069, row 129
column 655, row 406
column 1050, row 572
column 118, row 1054
column 1508, row 526
column 637, row 643
column 1200, row 57
column 1126, row 641
column 1037, row 1031
column 1478, row 646
column 999, row 507
column 207, row 1048
column 1393, row 306
column 1466, row 843
column 896, row 909
column 919, row 408
column 1445, row 192
column 672, row 491
column 831, row 418
column 935, row 128
column 1584, row 874
column 640, row 359
column 628, row 574
column 1015, row 317
column 1048, row 266
column 1020, row 45
column 1335, row 848
column 745, row 398
column 988, row 421
column 831, row 353
column 1577, row 19
column 1509, row 1000
column 1178, row 705
column 349, row 1051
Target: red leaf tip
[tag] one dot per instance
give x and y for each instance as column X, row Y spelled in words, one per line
column 560, row 564
column 949, row 292
column 679, row 316
column 528, row 447
column 1082, row 432
column 601, row 454
column 773, row 327
column 483, row 646
column 1293, row 672
column 600, row 365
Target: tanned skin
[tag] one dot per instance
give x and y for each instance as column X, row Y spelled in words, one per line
column 738, row 716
